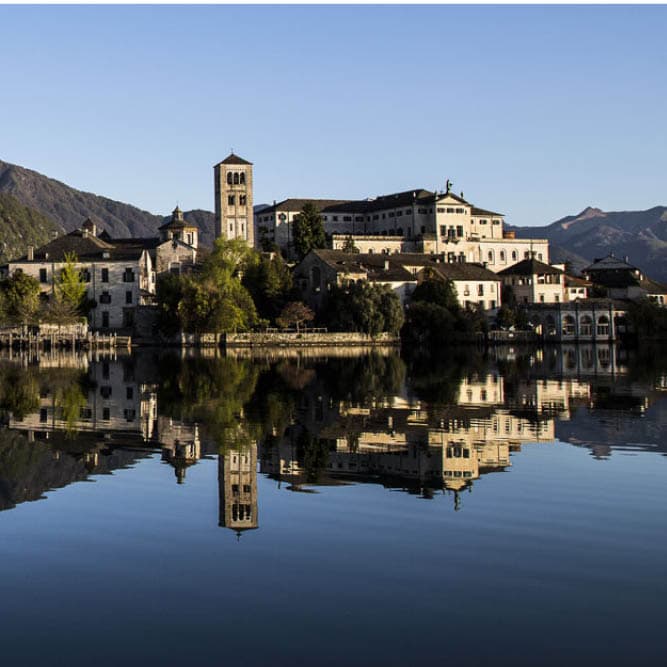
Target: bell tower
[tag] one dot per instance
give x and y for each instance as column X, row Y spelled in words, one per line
column 233, row 199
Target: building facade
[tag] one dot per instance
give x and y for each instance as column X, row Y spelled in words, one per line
column 234, row 199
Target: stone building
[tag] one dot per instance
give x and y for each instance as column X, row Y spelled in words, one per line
column 622, row 280
column 320, row 270
column 418, row 221
column 533, row 281
column 233, row 199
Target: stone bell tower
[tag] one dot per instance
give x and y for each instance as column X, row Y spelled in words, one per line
column 233, row 199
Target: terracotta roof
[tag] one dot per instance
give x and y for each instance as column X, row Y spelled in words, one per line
column 530, row 267
column 233, row 159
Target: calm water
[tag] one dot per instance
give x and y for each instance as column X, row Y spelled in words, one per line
column 368, row 510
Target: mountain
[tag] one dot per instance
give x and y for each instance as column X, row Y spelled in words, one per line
column 21, row 226
column 639, row 235
column 66, row 208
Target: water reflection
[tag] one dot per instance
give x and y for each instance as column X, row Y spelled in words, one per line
column 419, row 426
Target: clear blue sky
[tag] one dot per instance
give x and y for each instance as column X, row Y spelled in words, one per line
column 533, row 111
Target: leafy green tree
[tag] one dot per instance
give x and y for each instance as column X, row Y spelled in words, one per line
column 269, row 281
column 20, row 298
column 295, row 314
column 308, row 231
column 169, row 292
column 364, row 307
column 71, row 287
column 437, row 291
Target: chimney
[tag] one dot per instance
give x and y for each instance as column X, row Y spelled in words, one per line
column 31, row 253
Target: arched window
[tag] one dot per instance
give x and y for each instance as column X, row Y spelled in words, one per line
column 236, row 178
column 502, row 256
column 229, row 178
column 568, row 325
column 603, row 326
column 242, row 178
column 586, row 326
column 550, row 325
column 490, row 256
column 514, row 256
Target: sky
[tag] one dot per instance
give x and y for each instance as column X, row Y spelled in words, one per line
column 536, row 112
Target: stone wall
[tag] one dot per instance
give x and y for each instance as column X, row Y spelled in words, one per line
column 294, row 339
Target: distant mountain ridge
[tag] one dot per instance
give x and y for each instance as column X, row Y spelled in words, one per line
column 51, row 205
column 639, row 235
column 67, row 207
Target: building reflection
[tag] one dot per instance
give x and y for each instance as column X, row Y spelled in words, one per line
column 298, row 422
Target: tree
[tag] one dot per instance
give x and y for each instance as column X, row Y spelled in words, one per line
column 308, row 230
column 295, row 314
column 212, row 300
column 20, row 298
column 71, row 287
column 364, row 307
column 269, row 281
column 437, row 291
column 349, row 245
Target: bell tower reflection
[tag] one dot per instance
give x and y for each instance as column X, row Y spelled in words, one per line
column 237, row 488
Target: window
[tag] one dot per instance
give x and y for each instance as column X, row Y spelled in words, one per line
column 459, row 231
column 105, row 297
column 105, row 319
column 347, row 218
column 43, row 276
column 129, row 415
column 242, row 178
column 128, row 275
column 502, row 256
column 128, row 296
column 359, row 218
column 129, row 393
column 236, row 179
column 568, row 325
column 391, row 214
column 105, row 391
column 230, row 200
column 483, row 222
column 603, row 326
column 450, row 210
column 242, row 200
column 43, row 415
column 514, row 256
column 105, row 275
column 440, row 210
column 496, row 222
column 229, row 178
column 106, row 414
column 480, row 290
column 85, row 275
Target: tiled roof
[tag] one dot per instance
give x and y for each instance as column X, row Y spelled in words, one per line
column 530, row 267
column 610, row 263
column 87, row 248
column 653, row 286
column 481, row 211
column 574, row 281
column 233, row 159
column 296, row 205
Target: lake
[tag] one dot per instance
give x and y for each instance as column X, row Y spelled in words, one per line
column 353, row 509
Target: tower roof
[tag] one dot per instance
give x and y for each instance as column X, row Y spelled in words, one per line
column 233, row 159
